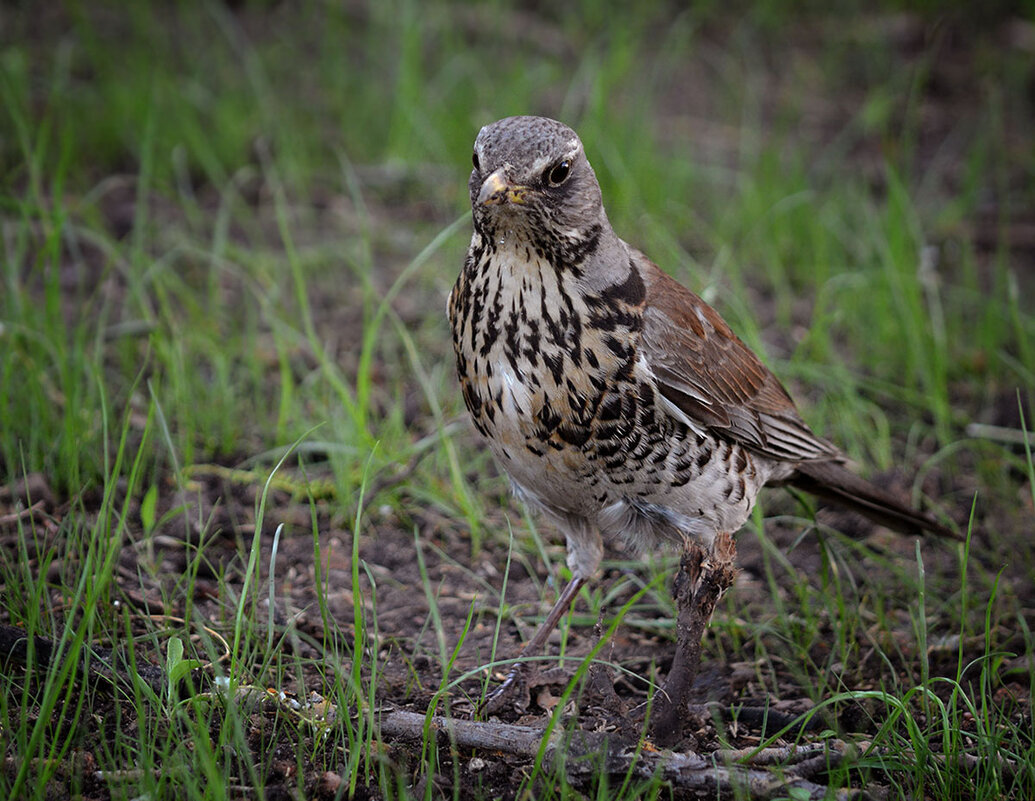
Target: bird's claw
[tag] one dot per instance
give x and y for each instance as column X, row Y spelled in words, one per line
column 513, row 692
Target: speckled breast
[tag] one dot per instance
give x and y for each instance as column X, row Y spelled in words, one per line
column 551, row 379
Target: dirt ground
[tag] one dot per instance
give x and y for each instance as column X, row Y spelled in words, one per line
column 406, row 645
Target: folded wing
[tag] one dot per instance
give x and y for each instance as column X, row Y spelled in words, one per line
column 711, row 380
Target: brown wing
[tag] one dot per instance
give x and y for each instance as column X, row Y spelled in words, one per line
column 713, row 380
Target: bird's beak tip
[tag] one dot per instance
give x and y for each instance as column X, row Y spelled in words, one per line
column 497, row 190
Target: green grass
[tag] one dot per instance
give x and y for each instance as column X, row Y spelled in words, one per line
column 227, row 237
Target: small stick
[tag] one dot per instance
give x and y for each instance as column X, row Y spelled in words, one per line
column 697, row 773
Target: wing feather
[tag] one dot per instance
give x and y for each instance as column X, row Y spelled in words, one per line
column 712, row 380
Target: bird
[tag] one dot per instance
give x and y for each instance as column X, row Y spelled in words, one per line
column 621, row 405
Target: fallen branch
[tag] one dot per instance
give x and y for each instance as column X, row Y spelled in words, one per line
column 752, row 773
column 96, row 666
column 24, row 514
column 585, row 755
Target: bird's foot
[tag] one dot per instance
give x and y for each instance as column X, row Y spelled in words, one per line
column 513, row 693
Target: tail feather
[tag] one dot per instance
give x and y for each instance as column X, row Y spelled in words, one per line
column 832, row 481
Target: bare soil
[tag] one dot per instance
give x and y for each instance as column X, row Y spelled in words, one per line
column 734, row 701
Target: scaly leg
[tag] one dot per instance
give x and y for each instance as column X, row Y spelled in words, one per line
column 517, row 679
column 700, row 582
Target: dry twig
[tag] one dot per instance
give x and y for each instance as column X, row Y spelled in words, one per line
column 583, row 755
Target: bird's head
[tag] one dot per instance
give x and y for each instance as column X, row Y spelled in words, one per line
column 531, row 183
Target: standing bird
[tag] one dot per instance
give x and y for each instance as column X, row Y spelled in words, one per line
column 621, row 404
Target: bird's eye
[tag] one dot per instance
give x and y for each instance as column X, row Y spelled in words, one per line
column 559, row 173
column 477, row 164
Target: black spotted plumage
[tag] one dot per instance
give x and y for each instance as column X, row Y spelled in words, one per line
column 619, row 402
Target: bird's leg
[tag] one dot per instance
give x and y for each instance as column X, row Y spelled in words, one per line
column 700, row 582
column 517, row 679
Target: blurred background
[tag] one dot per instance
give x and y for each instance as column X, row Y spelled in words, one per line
column 225, row 199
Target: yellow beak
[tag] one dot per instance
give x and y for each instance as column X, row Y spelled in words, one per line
column 497, row 190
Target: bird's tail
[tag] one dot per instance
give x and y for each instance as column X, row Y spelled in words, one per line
column 832, row 481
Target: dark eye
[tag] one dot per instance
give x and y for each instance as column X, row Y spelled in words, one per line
column 477, row 164
column 559, row 172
